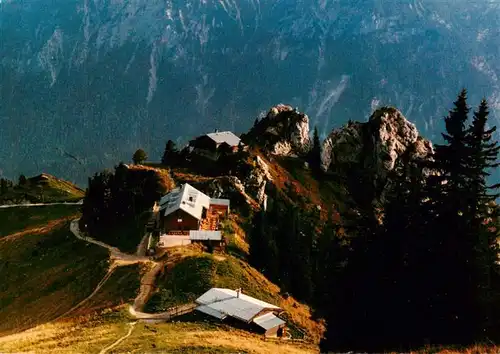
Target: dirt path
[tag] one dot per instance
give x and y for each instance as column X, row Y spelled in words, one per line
column 147, row 287
column 132, row 325
column 167, row 315
column 115, row 253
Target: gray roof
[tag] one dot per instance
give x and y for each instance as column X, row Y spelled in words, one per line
column 225, row 137
column 186, row 198
column 226, row 302
column 268, row 321
column 218, row 201
column 204, row 235
column 209, row 311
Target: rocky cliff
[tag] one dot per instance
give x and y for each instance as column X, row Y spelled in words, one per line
column 284, row 131
column 377, row 144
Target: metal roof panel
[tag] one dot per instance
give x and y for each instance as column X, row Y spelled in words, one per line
column 186, row 198
column 225, row 137
column 203, row 235
column 227, row 301
column 209, row 311
column 268, row 321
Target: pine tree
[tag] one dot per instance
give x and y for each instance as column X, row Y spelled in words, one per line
column 4, row 185
column 315, row 153
column 22, row 180
column 452, row 158
column 299, row 247
column 483, row 157
column 170, row 155
column 257, row 240
column 328, row 260
column 455, row 303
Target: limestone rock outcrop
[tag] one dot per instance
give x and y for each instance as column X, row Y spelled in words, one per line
column 284, row 131
column 378, row 143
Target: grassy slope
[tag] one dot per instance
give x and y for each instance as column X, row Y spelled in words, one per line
column 45, row 274
column 45, row 188
column 45, row 270
column 91, row 333
column 121, row 288
column 23, row 218
column 194, row 275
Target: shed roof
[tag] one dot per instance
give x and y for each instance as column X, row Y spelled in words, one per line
column 226, row 301
column 225, row 137
column 268, row 321
column 203, row 235
column 186, row 198
column 216, row 201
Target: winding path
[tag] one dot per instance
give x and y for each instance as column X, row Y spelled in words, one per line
column 147, row 281
column 115, row 253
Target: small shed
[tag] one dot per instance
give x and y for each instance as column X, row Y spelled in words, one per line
column 257, row 315
column 270, row 325
column 206, row 237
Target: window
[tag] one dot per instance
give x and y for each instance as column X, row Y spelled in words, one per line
column 179, row 220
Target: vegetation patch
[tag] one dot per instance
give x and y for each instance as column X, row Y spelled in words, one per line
column 44, row 275
column 118, row 205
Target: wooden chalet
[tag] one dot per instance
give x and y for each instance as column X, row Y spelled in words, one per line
column 212, row 144
column 187, row 215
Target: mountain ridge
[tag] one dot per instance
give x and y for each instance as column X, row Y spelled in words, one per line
column 123, row 74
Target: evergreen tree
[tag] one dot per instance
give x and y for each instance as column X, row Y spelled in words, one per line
column 170, row 155
column 5, row 184
column 139, row 156
column 257, row 240
column 456, row 282
column 328, row 260
column 301, row 262
column 483, row 157
column 22, row 180
column 315, row 153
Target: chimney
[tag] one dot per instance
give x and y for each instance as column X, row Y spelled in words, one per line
column 238, row 291
column 216, row 130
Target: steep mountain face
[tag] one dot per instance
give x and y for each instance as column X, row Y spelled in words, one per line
column 94, row 80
